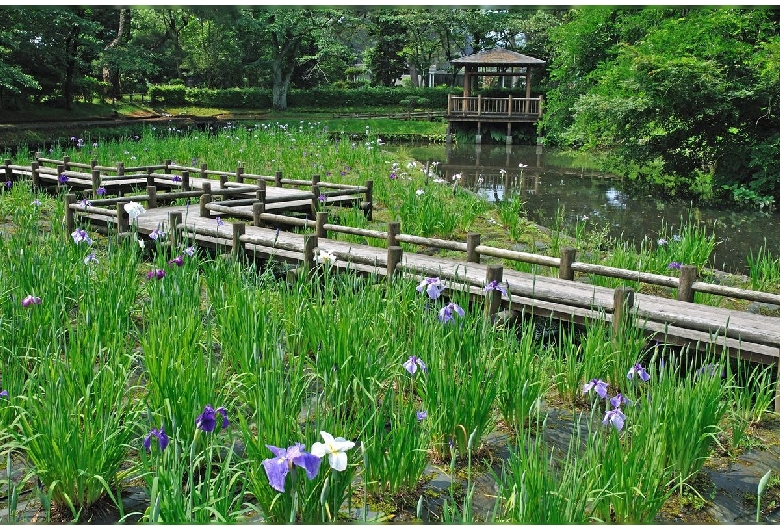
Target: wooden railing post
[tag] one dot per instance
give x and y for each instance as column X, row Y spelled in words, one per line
column 239, row 229
column 394, row 255
column 493, row 297
column 623, row 301
column 687, row 277
column 185, row 181
column 167, row 169
column 149, row 177
column 36, row 176
column 120, row 169
column 369, row 211
column 479, row 104
column 151, row 191
column 278, row 179
column 315, row 192
column 565, row 271
column 8, row 171
column 449, row 103
column 95, row 182
column 472, row 242
column 322, row 218
column 203, row 169
column 309, row 244
column 65, row 163
column 122, row 218
column 393, row 229
column 258, row 209
column 70, row 221
column 174, row 218
column 223, row 180
column 240, row 174
column 205, row 198
column 510, row 105
column 60, row 172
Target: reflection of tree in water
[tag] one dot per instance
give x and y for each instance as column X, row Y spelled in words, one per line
column 629, row 212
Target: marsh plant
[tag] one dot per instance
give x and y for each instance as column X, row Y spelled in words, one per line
column 235, row 395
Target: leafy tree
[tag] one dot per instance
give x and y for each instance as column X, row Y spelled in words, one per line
column 56, row 47
column 158, row 31
column 15, row 83
column 385, row 58
column 212, row 56
column 677, row 95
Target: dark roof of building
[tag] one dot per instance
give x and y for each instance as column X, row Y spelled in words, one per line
column 498, row 57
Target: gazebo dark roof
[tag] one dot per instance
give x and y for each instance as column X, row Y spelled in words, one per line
column 498, row 57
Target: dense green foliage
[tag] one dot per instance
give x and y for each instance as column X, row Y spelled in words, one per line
column 682, row 97
column 679, row 97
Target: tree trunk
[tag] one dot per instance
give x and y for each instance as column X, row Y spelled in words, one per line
column 72, row 47
column 281, row 85
column 413, row 76
column 111, row 75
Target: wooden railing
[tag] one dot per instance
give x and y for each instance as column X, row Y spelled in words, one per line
column 493, row 107
column 235, row 195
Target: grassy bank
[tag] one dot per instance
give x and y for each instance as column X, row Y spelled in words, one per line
column 42, row 126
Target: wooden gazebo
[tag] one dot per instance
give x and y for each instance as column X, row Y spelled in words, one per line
column 501, row 63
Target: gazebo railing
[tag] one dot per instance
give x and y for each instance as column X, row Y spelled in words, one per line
column 478, row 106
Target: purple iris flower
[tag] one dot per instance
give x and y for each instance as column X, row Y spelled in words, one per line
column 162, row 439
column 90, row 258
column 414, row 362
column 155, row 234
column 190, row 251
column 63, row 178
column 4, row 394
column 619, row 400
column 638, row 371
column 496, row 286
column 321, row 198
column 207, row 421
column 80, row 235
column 101, row 190
column 155, row 273
column 446, row 313
column 674, row 265
column 392, row 176
column 277, row 468
column 597, row 384
column 711, row 370
column 84, row 203
column 220, row 222
column 178, row 260
column 30, row 300
column 36, row 203
column 176, row 178
column 8, row 183
column 432, row 286
column 615, row 417
column 421, row 415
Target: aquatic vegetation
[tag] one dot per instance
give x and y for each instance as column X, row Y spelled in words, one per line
column 116, row 369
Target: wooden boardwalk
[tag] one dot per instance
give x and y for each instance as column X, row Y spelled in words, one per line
column 754, row 337
column 252, row 227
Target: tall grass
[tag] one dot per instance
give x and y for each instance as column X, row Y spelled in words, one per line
column 115, row 349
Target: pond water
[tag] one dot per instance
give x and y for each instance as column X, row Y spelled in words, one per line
column 555, row 183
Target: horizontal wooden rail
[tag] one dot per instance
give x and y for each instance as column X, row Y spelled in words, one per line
column 229, row 189
column 613, row 272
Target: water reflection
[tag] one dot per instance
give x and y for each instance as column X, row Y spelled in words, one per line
column 550, row 182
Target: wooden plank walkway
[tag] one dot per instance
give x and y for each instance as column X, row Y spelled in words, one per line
column 755, row 337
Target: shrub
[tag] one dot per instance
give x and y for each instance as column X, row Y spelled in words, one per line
column 168, row 94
